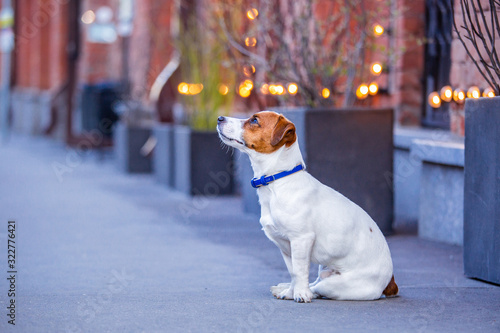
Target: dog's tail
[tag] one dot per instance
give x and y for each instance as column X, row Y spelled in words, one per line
column 391, row 289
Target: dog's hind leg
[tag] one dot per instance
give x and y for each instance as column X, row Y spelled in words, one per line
column 345, row 286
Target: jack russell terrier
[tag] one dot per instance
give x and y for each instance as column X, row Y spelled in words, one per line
column 309, row 221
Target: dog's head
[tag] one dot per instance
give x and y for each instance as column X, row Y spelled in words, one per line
column 265, row 132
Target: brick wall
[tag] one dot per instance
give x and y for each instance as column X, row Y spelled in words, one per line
column 40, row 44
column 408, row 86
column 150, row 45
column 98, row 62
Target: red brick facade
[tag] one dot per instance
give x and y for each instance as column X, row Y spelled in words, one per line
column 409, row 48
column 41, row 34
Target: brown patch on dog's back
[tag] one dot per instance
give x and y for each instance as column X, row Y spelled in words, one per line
column 391, row 289
column 266, row 132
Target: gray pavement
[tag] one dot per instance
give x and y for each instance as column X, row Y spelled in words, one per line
column 101, row 251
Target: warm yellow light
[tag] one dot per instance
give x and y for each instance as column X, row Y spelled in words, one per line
column 473, row 92
column 373, row 88
column 223, row 89
column 362, row 91
column 279, row 89
column 248, row 84
column 292, row 88
column 244, row 92
column 434, row 100
column 325, row 93
column 248, row 70
column 250, row 41
column 88, row 17
column 183, row 88
column 488, row 92
column 245, row 88
column 264, row 89
column 459, row 96
column 195, row 89
column 378, row 30
column 376, row 68
column 252, row 14
column 446, row 94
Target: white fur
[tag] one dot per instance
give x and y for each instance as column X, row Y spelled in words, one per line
column 311, row 222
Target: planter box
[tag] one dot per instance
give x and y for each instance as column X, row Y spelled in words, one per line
column 201, row 167
column 482, row 189
column 128, row 141
column 348, row 150
column 244, row 174
column 163, row 155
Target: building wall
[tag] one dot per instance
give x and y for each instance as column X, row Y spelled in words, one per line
column 98, row 62
column 151, row 45
column 409, row 33
column 41, row 34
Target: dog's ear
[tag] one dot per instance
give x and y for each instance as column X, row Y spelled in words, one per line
column 283, row 132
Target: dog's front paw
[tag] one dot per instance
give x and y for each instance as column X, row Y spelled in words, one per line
column 285, row 294
column 304, row 295
column 276, row 290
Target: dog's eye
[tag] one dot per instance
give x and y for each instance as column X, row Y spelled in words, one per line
column 254, row 120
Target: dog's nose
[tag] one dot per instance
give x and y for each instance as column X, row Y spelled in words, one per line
column 221, row 119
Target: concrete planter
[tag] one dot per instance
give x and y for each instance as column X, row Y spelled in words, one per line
column 441, row 189
column 128, row 141
column 163, row 155
column 201, row 167
column 481, row 189
column 349, row 150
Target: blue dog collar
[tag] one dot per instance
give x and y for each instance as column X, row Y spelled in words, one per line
column 265, row 180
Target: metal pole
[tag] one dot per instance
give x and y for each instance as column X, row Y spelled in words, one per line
column 7, row 43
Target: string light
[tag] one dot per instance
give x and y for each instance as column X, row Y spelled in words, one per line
column 376, row 68
column 373, row 88
column 264, row 89
column 195, row 89
column 276, row 89
column 223, row 89
column 252, row 14
column 189, row 89
column 434, row 100
column 473, row 92
column 325, row 93
column 183, row 88
column 292, row 88
column 362, row 91
column 459, row 96
column 488, row 92
column 245, row 88
column 250, row 41
column 446, row 94
column 248, row 70
column 378, row 30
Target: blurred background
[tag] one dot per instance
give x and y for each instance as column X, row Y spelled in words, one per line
column 264, row 53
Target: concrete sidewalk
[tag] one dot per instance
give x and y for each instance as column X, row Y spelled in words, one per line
column 101, row 251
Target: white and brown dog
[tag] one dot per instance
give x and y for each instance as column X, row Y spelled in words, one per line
column 309, row 221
